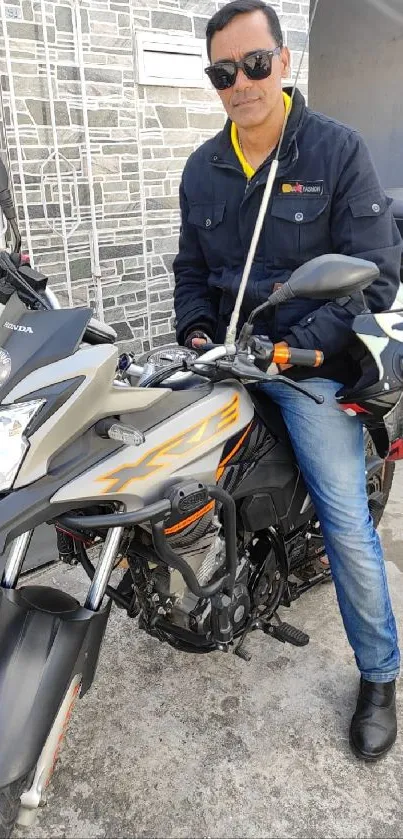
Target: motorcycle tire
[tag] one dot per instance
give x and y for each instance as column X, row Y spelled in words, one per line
column 379, row 483
column 10, row 801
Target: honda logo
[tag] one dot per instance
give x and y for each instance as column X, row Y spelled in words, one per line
column 18, row 328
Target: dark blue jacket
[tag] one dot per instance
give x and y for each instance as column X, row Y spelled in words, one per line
column 326, row 198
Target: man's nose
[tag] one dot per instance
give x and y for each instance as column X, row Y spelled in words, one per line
column 242, row 82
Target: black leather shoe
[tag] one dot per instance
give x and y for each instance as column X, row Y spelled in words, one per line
column 373, row 728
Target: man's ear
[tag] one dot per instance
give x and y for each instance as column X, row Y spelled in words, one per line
column 285, row 59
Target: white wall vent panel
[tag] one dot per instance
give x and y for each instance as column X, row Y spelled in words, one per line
column 170, row 60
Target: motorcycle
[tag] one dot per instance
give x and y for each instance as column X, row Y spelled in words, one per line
column 174, row 466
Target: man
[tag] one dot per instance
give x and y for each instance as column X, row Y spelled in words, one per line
column 326, row 198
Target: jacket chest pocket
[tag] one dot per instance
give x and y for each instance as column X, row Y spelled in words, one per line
column 299, row 229
column 213, row 232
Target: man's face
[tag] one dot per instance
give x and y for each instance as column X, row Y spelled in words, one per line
column 249, row 103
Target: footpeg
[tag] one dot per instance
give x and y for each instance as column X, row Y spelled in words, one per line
column 286, row 633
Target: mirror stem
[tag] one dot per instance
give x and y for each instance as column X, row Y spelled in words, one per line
column 281, row 295
column 6, row 204
column 17, row 236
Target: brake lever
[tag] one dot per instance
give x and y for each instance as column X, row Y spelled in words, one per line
column 247, row 370
column 243, row 369
column 259, row 375
column 319, row 399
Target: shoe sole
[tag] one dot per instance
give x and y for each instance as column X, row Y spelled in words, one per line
column 368, row 758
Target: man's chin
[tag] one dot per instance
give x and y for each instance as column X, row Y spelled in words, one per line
column 247, row 120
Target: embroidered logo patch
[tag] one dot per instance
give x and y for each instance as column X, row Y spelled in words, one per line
column 301, row 188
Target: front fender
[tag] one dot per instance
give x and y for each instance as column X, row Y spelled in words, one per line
column 46, row 638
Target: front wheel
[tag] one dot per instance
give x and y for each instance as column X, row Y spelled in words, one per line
column 19, row 801
column 10, row 802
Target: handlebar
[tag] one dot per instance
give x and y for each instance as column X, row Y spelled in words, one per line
column 273, row 353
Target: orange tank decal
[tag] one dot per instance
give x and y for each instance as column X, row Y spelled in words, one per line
column 223, row 463
column 167, row 453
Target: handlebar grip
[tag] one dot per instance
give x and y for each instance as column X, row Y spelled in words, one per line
column 208, row 346
column 293, row 355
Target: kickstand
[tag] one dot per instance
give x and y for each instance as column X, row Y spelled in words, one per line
column 253, row 623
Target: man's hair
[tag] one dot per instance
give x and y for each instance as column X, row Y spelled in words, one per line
column 223, row 17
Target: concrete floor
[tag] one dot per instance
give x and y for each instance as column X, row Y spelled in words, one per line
column 171, row 745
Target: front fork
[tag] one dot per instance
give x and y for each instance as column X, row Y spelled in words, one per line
column 15, row 561
column 99, row 582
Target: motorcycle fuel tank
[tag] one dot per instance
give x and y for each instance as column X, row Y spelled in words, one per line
column 188, row 443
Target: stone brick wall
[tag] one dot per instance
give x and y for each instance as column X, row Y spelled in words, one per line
column 140, row 136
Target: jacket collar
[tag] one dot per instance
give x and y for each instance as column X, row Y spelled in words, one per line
column 223, row 153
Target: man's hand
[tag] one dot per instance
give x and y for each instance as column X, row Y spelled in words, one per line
column 196, row 339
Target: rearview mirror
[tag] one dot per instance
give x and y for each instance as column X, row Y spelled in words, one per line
column 3, row 177
column 327, row 277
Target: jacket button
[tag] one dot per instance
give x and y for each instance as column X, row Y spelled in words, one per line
column 299, row 216
column 376, row 208
column 208, row 222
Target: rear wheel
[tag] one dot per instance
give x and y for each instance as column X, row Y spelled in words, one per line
column 379, row 484
column 10, row 802
column 379, row 480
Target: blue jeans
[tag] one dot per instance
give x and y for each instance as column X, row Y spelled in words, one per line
column 329, row 448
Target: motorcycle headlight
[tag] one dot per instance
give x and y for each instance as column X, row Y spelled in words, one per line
column 13, row 445
column 5, row 366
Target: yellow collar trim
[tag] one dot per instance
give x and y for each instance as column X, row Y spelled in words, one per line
column 247, row 168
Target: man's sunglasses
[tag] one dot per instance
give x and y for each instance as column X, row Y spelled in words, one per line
column 256, row 65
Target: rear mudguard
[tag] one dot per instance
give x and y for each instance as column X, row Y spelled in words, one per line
column 46, row 639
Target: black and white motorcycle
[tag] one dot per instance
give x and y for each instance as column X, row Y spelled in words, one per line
column 172, row 467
